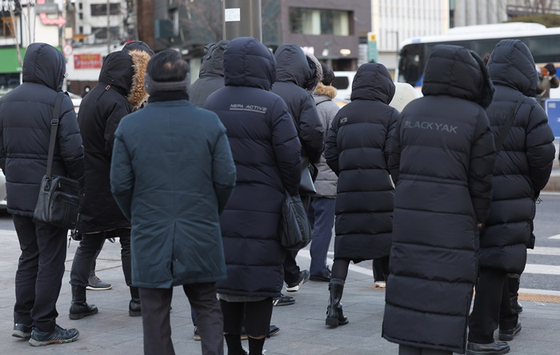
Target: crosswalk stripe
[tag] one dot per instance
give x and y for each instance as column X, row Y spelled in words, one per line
column 557, row 236
column 544, row 251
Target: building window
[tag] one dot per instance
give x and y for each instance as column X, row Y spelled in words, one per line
column 101, row 9
column 320, row 22
column 81, row 15
column 6, row 27
column 80, row 6
column 101, row 32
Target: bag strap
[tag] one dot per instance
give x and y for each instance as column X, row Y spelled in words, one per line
column 505, row 129
column 54, row 130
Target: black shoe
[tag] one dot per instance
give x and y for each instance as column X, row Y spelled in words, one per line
column 495, row 348
column 134, row 308
column 59, row 336
column 21, row 331
column 196, row 335
column 509, row 334
column 303, row 278
column 79, row 310
column 272, row 330
column 283, row 301
column 325, row 276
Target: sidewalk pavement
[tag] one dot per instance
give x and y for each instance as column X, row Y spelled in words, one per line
column 302, row 325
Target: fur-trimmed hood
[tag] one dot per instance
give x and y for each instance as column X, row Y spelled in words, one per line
column 323, row 90
column 138, row 94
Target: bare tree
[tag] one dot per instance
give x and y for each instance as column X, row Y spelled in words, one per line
column 538, row 6
column 13, row 29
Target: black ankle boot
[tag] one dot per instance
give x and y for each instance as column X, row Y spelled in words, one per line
column 134, row 308
column 335, row 316
column 79, row 308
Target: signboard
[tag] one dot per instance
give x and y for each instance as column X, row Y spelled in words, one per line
column 553, row 112
column 87, row 61
column 46, row 7
column 67, row 49
column 373, row 52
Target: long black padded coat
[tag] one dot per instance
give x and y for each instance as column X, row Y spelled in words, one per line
column 356, row 151
column 524, row 163
column 25, row 127
column 266, row 152
column 119, row 91
column 442, row 158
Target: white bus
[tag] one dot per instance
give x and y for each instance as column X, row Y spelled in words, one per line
column 543, row 42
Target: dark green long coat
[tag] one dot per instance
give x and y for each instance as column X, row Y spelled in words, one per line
column 172, row 173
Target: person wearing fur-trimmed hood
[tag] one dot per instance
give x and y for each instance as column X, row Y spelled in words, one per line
column 119, row 92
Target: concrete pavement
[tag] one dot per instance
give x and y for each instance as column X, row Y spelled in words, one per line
column 303, row 330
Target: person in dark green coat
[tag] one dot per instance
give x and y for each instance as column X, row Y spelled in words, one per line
column 172, row 174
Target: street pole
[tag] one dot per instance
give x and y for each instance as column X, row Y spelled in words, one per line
column 242, row 18
column 108, row 27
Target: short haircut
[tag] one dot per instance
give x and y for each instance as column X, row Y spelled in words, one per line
column 167, row 66
column 328, row 74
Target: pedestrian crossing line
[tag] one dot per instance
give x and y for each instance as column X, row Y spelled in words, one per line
column 557, row 236
column 542, row 269
column 544, row 251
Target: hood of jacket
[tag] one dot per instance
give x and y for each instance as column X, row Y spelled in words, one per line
column 373, row 82
column 458, row 72
column 292, row 65
column 44, row 64
column 247, row 62
column 511, row 64
column 213, row 60
column 138, row 45
column 124, row 71
column 138, row 94
column 323, row 90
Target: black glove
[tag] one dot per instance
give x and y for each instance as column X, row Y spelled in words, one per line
column 551, row 69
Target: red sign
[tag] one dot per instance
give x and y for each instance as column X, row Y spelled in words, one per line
column 87, row 61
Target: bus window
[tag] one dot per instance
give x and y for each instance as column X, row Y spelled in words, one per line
column 411, row 64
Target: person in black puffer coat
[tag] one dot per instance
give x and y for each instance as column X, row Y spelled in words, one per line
column 356, row 151
column 211, row 77
column 521, row 171
column 442, row 155
column 25, row 125
column 295, row 74
column 120, row 91
column 267, row 156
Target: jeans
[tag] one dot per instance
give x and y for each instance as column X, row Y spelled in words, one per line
column 321, row 217
column 39, row 273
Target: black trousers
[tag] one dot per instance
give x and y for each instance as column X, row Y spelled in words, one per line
column 411, row 350
column 492, row 306
column 257, row 317
column 156, row 304
column 39, row 273
column 89, row 248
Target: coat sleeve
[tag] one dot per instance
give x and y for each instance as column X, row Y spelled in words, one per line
column 391, row 131
column 70, row 142
column 311, row 130
column 481, row 166
column 223, row 169
column 331, row 148
column 122, row 175
column 116, row 114
column 393, row 149
column 287, row 147
column 539, row 148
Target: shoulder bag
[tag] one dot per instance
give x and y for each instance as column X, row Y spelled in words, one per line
column 295, row 230
column 59, row 196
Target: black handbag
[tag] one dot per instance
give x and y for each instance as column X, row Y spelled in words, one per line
column 59, row 196
column 295, row 232
column 306, row 185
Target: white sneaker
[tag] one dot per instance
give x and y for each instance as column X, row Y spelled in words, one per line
column 380, row 284
column 303, row 278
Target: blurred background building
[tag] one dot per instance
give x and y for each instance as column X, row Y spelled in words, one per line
column 342, row 33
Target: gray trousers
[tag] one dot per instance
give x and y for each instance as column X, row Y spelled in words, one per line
column 156, row 304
